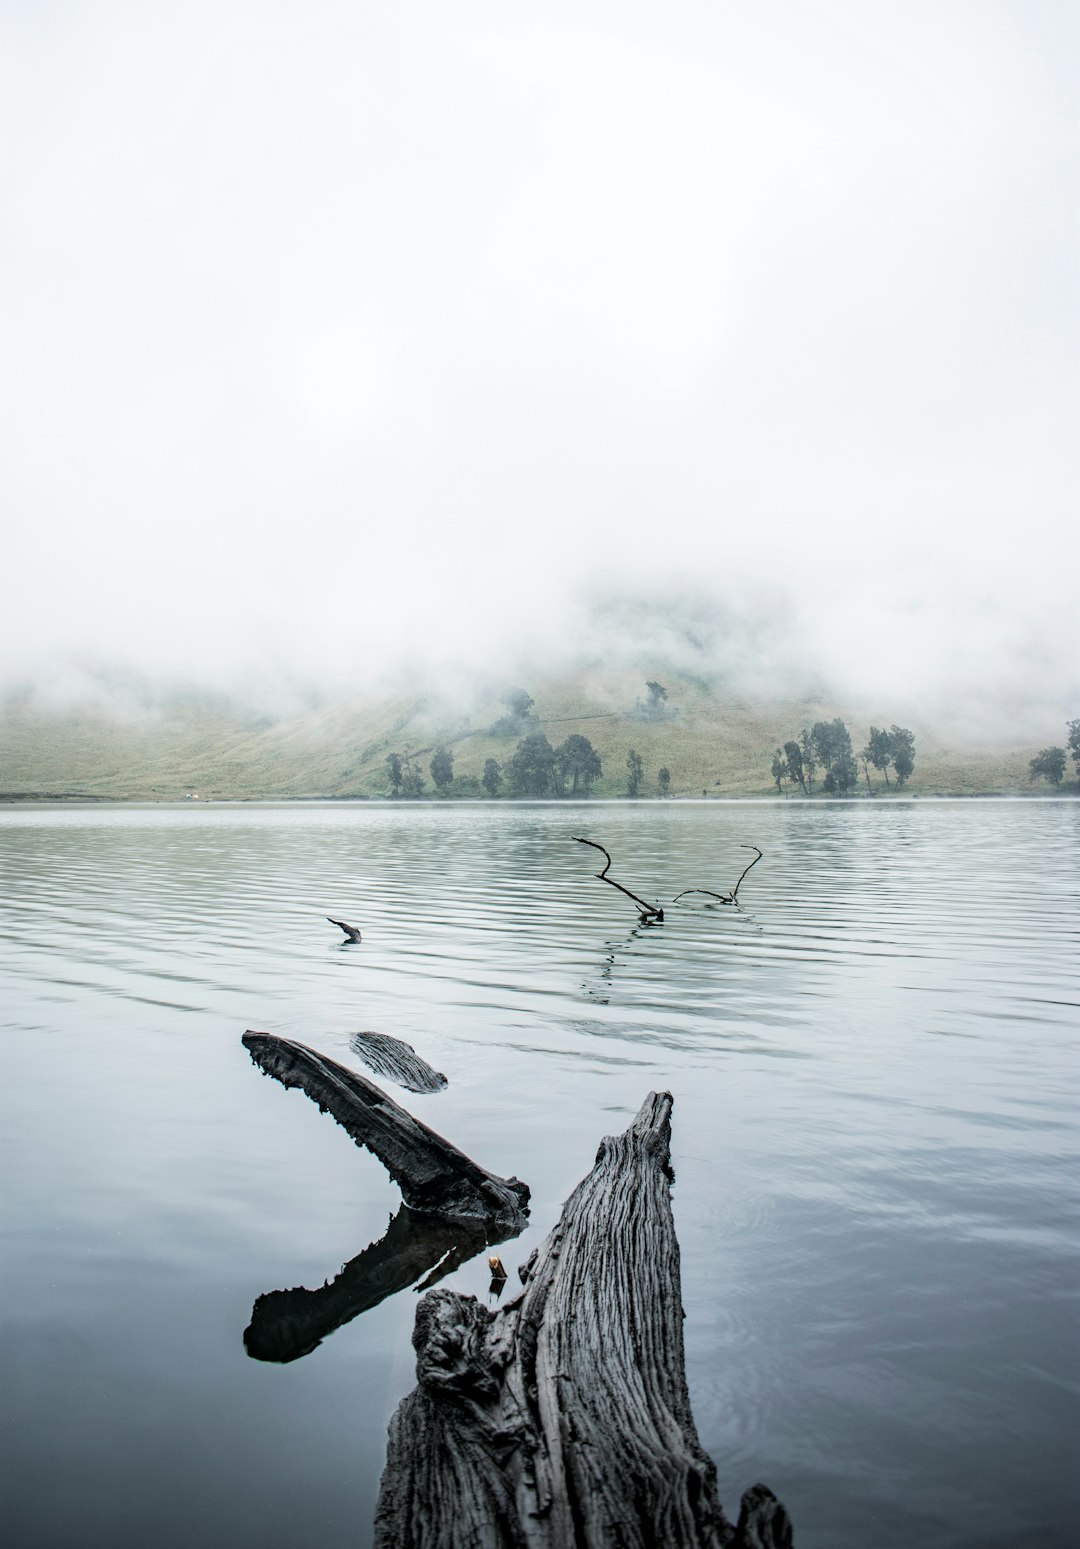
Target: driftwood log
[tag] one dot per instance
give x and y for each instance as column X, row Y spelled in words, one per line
column 562, row 1421
column 288, row 1324
column 434, row 1177
column 397, row 1061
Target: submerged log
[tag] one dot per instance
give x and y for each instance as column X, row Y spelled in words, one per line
column 397, row 1061
column 563, row 1419
column 433, row 1176
column 288, row 1324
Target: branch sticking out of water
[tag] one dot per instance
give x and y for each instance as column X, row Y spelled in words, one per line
column 725, row 898
column 650, row 915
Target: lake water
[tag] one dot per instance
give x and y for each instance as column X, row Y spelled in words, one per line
column 874, row 1064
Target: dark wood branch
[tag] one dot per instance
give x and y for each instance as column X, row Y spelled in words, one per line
column 434, row 1176
column 397, row 1061
column 649, row 912
column 753, row 863
column 351, row 932
column 288, row 1324
column 563, row 1419
column 725, row 898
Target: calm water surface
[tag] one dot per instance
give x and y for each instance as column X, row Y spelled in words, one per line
column 874, row 1064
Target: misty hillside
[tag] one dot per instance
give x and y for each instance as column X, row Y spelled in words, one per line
column 711, row 740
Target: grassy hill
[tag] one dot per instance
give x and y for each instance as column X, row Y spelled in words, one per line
column 712, row 739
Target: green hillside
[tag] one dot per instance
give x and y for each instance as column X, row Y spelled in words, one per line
column 711, row 739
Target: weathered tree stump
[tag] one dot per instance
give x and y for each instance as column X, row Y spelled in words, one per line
column 433, row 1176
column 562, row 1421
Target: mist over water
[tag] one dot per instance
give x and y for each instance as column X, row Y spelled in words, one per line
column 875, row 1142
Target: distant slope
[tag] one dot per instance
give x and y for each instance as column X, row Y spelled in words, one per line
column 712, row 739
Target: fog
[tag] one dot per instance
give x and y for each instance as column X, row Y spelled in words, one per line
column 353, row 343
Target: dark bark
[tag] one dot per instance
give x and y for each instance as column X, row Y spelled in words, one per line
column 351, row 932
column 725, row 898
column 433, row 1176
column 397, row 1061
column 562, row 1421
column 649, row 913
column 288, row 1324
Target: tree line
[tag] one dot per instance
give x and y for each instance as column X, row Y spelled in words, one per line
column 823, row 755
column 535, row 768
column 826, row 749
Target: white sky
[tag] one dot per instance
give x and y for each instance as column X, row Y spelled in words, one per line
column 337, row 334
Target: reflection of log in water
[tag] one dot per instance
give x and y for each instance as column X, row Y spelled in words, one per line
column 397, row 1061
column 433, row 1176
column 288, row 1324
column 564, row 1418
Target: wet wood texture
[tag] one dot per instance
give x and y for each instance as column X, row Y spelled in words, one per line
column 397, row 1061
column 433, row 1175
column 562, row 1421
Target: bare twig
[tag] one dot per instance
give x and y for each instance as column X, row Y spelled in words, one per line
column 725, row 898
column 649, row 913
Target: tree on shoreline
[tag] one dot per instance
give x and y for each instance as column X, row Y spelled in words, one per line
column 663, row 775
column 492, row 776
column 393, row 770
column 793, row 757
column 1074, row 745
column 412, row 780
column 902, row 742
column 1050, row 764
column 809, row 758
column 878, row 751
column 578, row 759
column 442, row 768
column 832, row 744
column 635, row 772
column 780, row 771
column 532, row 766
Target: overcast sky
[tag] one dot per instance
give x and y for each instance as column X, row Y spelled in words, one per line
column 339, row 334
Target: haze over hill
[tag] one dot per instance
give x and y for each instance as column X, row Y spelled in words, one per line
column 391, row 353
column 734, row 690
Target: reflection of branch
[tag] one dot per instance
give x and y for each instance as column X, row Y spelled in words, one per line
column 607, row 971
column 288, row 1324
column 564, row 1417
column 648, row 912
column 433, row 1175
column 725, row 898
